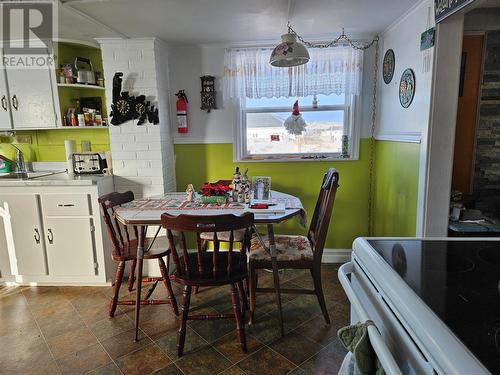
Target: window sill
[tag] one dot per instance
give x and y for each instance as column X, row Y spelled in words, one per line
column 263, row 159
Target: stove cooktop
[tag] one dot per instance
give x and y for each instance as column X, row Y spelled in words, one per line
column 460, row 282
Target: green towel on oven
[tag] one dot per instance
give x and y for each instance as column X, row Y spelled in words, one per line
column 355, row 339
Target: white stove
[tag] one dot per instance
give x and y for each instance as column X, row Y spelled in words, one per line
column 435, row 302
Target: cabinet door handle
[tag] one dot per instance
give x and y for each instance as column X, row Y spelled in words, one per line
column 50, row 236
column 4, row 103
column 66, row 205
column 15, row 103
column 36, row 236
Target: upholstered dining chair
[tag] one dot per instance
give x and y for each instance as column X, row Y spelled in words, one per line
column 298, row 252
column 206, row 269
column 124, row 242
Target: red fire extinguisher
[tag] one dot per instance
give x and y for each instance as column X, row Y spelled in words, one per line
column 182, row 101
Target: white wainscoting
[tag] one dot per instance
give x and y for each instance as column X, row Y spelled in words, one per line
column 410, row 137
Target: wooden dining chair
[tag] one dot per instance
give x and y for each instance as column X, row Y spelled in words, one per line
column 124, row 241
column 298, row 252
column 222, row 237
column 215, row 268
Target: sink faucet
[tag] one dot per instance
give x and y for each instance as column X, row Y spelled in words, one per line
column 20, row 164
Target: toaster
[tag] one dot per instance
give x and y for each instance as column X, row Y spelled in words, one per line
column 88, row 163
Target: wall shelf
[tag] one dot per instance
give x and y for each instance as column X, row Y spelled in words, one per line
column 80, row 86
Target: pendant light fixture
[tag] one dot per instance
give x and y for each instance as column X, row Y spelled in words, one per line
column 289, row 52
column 292, row 50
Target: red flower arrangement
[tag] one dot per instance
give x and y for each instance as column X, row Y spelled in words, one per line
column 209, row 190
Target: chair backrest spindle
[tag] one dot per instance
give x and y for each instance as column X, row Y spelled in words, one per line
column 230, row 253
column 199, row 243
column 175, row 255
column 185, row 254
column 198, row 265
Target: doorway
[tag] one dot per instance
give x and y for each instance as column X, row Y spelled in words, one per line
column 475, row 195
column 467, row 113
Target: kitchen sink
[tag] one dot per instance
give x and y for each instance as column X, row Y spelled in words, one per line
column 26, row 175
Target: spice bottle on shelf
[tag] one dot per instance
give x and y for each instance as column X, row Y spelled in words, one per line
column 62, row 79
column 99, row 80
column 74, row 121
column 80, row 120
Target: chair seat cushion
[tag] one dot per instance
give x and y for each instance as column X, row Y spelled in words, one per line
column 224, row 236
column 289, row 248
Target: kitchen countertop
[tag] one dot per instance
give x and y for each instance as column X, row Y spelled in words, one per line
column 57, row 179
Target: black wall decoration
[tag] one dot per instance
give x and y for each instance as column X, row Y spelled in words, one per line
column 126, row 107
column 208, row 93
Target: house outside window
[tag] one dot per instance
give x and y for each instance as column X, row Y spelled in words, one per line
column 264, row 96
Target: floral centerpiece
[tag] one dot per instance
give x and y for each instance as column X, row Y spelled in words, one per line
column 214, row 193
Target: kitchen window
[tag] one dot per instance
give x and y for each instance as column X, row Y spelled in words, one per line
column 327, row 90
column 263, row 136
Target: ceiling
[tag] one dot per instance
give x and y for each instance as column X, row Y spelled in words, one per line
column 225, row 21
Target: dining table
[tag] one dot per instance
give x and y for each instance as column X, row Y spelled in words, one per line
column 145, row 212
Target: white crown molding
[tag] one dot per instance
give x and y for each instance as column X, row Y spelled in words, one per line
column 404, row 16
column 128, row 40
column 410, row 137
column 87, row 43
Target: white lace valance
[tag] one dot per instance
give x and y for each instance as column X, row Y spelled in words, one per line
column 247, row 73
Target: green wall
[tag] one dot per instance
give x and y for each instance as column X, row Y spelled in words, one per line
column 48, row 145
column 198, row 163
column 395, row 188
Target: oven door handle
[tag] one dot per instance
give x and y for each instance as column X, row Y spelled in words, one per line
column 384, row 355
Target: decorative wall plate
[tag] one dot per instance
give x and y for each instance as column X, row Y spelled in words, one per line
column 407, row 88
column 388, row 66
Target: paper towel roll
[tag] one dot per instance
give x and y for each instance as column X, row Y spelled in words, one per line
column 70, row 147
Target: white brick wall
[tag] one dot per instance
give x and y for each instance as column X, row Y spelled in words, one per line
column 143, row 159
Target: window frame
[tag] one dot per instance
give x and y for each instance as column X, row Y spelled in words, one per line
column 351, row 110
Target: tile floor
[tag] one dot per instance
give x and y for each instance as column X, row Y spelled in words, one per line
column 66, row 330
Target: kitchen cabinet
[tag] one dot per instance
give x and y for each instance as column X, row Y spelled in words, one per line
column 5, row 119
column 57, row 234
column 65, row 215
column 32, row 97
column 28, row 97
column 26, row 224
column 67, row 255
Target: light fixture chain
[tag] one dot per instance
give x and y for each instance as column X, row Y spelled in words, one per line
column 342, row 39
column 372, row 142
